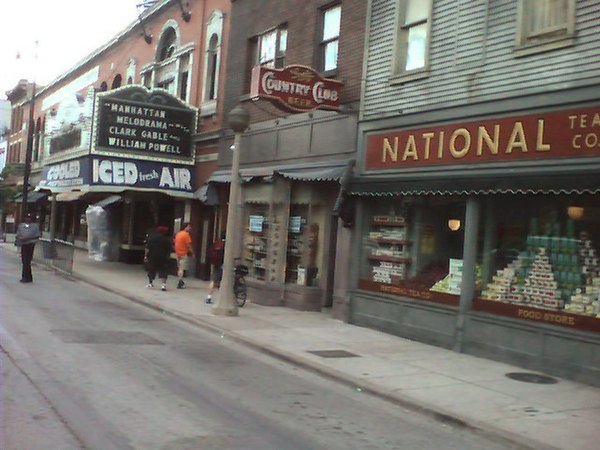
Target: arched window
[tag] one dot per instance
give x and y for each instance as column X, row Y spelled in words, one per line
column 168, row 43
column 212, row 59
column 210, row 85
column 103, row 86
column 117, row 81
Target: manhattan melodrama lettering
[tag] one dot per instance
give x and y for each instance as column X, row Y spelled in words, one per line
column 571, row 135
column 141, row 128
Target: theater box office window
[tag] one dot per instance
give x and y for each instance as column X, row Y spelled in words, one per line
column 483, row 236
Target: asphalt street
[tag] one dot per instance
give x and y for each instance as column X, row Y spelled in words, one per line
column 111, row 374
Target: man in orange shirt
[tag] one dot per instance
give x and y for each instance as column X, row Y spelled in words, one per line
column 183, row 249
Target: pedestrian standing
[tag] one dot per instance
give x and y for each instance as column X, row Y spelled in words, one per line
column 158, row 251
column 216, row 257
column 183, row 249
column 28, row 233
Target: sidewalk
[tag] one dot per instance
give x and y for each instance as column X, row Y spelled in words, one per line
column 458, row 388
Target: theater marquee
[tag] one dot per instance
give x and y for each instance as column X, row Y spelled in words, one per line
column 563, row 134
column 133, row 120
column 295, row 88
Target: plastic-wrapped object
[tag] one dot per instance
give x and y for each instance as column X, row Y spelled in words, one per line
column 102, row 240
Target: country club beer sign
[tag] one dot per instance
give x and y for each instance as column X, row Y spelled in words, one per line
column 295, row 88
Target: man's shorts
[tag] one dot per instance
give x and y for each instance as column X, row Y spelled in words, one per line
column 182, row 262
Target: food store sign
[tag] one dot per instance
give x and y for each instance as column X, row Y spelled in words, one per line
column 295, row 88
column 564, row 134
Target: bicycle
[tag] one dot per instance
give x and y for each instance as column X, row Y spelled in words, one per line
column 239, row 284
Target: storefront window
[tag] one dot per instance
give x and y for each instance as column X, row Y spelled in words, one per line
column 539, row 258
column 412, row 246
column 256, row 240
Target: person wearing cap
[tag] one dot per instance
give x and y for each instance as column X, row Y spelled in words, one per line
column 156, row 257
column 28, row 233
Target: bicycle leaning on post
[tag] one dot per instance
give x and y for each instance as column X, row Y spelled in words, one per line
column 239, row 284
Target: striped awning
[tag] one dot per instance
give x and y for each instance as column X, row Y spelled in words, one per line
column 582, row 183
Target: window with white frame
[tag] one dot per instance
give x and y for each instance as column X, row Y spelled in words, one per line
column 272, row 47
column 545, row 21
column 330, row 37
column 412, row 40
column 212, row 59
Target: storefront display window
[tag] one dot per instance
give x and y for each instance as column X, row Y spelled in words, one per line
column 256, row 240
column 296, row 244
column 412, row 247
column 540, row 260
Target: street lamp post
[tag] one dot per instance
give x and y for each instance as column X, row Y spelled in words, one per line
column 28, row 151
column 225, row 304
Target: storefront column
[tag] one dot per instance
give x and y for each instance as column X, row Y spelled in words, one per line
column 469, row 268
column 131, row 222
column 53, row 212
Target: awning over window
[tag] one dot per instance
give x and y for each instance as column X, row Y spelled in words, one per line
column 207, row 194
column 580, row 183
column 69, row 196
column 32, row 197
column 111, row 200
column 333, row 173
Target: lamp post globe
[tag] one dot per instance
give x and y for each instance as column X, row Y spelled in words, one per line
column 226, row 304
column 239, row 119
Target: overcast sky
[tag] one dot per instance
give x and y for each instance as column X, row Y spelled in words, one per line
column 67, row 31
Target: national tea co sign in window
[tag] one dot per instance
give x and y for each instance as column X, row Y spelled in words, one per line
column 150, row 124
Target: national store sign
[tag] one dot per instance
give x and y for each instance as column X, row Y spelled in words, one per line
column 563, row 134
column 295, row 88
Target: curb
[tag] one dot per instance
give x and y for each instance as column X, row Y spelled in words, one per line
column 450, row 418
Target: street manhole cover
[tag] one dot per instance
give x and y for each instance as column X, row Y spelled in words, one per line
column 333, row 354
column 105, row 337
column 528, row 377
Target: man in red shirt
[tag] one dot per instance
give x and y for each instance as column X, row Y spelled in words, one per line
column 183, row 249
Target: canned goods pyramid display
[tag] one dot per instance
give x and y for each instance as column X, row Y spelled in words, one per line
column 554, row 273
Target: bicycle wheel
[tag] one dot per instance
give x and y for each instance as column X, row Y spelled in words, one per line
column 239, row 289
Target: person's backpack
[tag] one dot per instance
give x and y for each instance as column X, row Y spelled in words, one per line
column 217, row 253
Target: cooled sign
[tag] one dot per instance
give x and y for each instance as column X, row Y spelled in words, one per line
column 63, row 175
column 141, row 174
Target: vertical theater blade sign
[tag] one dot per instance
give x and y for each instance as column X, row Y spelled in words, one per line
column 295, row 88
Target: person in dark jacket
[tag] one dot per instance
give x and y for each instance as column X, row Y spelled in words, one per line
column 28, row 233
column 158, row 251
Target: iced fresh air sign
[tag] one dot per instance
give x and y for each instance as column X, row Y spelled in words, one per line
column 295, row 88
column 138, row 121
column 142, row 174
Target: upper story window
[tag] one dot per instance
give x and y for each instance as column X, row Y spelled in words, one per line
column 167, row 45
column 412, row 40
column 272, row 47
column 212, row 62
column 117, row 81
column 545, row 24
column 330, row 37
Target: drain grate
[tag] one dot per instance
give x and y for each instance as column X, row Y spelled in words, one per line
column 105, row 337
column 528, row 377
column 333, row 354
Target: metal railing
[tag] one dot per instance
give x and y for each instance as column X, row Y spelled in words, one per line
column 56, row 254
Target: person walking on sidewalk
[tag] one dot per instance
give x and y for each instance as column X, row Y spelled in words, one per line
column 158, row 250
column 183, row 249
column 216, row 258
column 28, row 234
